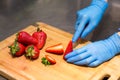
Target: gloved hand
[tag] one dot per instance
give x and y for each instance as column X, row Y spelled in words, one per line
column 95, row 53
column 88, row 18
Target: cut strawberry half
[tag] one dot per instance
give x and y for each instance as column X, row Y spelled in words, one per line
column 55, row 49
column 69, row 49
column 48, row 60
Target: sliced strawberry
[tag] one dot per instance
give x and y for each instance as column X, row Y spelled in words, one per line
column 41, row 36
column 17, row 49
column 48, row 60
column 68, row 49
column 45, row 61
column 55, row 49
column 32, row 52
column 26, row 39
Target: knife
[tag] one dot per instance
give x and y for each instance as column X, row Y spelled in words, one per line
column 78, row 42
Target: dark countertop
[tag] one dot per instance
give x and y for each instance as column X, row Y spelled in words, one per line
column 17, row 14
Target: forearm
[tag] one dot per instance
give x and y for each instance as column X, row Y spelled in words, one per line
column 113, row 43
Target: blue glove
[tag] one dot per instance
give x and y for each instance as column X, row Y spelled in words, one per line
column 88, row 18
column 95, row 53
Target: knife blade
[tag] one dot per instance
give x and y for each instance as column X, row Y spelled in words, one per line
column 78, row 42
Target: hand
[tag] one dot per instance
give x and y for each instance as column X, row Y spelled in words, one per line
column 95, row 53
column 88, row 18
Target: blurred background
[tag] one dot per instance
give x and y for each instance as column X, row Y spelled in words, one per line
column 17, row 14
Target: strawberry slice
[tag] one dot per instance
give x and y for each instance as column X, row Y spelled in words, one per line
column 55, row 49
column 68, row 49
column 48, row 60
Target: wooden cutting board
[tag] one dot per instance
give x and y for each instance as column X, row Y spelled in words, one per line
column 23, row 69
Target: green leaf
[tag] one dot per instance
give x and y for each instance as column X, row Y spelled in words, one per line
column 45, row 61
column 14, row 48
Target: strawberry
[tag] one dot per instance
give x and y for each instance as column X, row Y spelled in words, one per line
column 47, row 60
column 50, row 59
column 55, row 49
column 68, row 49
column 32, row 52
column 17, row 49
column 41, row 37
column 26, row 39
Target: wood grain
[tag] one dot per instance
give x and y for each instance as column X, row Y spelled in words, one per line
column 23, row 69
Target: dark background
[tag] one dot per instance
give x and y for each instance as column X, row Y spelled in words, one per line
column 17, row 14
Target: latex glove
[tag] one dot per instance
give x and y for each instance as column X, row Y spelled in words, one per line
column 88, row 18
column 95, row 53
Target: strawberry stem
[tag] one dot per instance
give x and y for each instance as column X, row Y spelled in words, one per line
column 14, row 48
column 38, row 29
column 45, row 61
column 16, row 36
column 30, row 51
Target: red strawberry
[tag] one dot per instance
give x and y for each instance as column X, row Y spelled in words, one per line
column 41, row 37
column 68, row 49
column 47, row 60
column 56, row 49
column 17, row 49
column 26, row 39
column 50, row 59
column 32, row 52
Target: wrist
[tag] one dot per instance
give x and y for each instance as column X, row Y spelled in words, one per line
column 113, row 43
